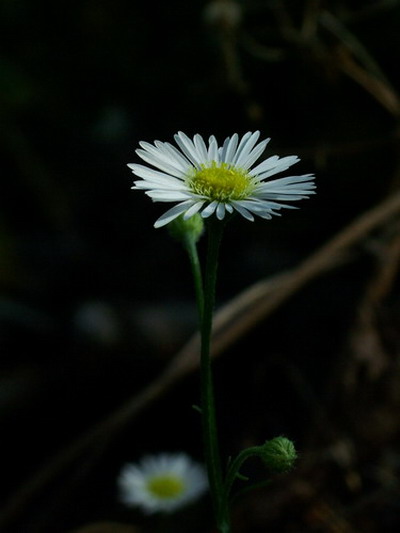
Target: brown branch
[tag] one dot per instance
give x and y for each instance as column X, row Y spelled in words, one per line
column 377, row 88
column 261, row 299
column 231, row 322
column 368, row 349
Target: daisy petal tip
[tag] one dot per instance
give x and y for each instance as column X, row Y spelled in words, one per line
column 159, row 224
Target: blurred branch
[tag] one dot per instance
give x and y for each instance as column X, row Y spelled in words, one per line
column 349, row 54
column 368, row 346
column 262, row 298
column 380, row 90
column 225, row 18
column 350, row 41
column 355, row 60
column 231, row 322
column 272, row 54
column 369, row 10
column 310, row 19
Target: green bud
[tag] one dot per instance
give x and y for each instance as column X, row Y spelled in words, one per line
column 278, row 454
column 192, row 228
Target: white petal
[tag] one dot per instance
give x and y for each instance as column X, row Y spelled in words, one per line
column 209, row 210
column 188, row 148
column 292, row 188
column 168, row 196
column 262, row 212
column 150, row 173
column 161, row 154
column 241, row 146
column 264, row 208
column 306, row 181
column 172, row 213
column 213, row 150
column 231, row 148
column 160, row 183
column 253, row 155
column 284, row 197
column 246, row 214
column 293, row 181
column 223, row 149
column 159, row 163
column 195, row 208
column 220, row 211
column 200, row 146
column 153, row 178
column 176, row 155
column 242, row 156
column 264, row 165
column 212, row 139
column 149, row 185
column 273, row 165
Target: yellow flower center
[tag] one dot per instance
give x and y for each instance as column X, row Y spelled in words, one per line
column 166, row 486
column 221, row 182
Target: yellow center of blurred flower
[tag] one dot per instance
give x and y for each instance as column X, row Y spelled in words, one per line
column 166, row 486
column 221, row 182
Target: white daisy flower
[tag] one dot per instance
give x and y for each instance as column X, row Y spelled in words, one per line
column 163, row 483
column 218, row 180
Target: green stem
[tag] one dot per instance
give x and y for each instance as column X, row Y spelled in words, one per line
column 191, row 248
column 235, row 466
column 210, row 437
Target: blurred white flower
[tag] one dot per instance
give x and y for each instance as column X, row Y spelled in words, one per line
column 218, row 180
column 97, row 322
column 162, row 483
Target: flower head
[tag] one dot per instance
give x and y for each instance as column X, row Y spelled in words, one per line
column 278, row 454
column 218, row 180
column 162, row 483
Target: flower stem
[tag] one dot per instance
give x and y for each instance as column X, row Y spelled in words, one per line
column 191, row 248
column 210, row 437
column 234, row 468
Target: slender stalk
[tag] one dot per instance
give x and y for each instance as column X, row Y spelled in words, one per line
column 235, row 466
column 191, row 248
column 210, row 437
column 205, row 296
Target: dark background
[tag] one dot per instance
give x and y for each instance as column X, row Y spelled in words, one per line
column 95, row 302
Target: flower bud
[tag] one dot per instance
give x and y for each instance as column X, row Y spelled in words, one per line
column 191, row 229
column 278, row 454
